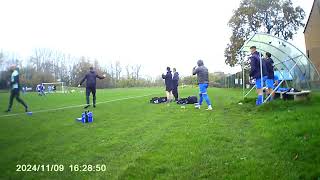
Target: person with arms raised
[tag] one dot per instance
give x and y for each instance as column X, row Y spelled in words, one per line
column 91, row 84
column 203, row 81
column 169, row 84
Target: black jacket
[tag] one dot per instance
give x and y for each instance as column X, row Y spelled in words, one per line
column 255, row 71
column 175, row 79
column 91, row 77
column 168, row 80
column 269, row 66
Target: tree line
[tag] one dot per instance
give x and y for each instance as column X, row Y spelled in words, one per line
column 48, row 65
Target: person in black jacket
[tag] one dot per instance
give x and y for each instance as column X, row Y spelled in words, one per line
column 255, row 73
column 15, row 89
column 175, row 83
column 270, row 74
column 91, row 77
column 169, row 84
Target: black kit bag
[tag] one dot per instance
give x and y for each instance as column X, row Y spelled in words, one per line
column 163, row 99
column 182, row 101
column 158, row 100
column 154, row 100
column 192, row 99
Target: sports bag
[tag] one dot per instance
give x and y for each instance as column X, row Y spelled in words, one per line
column 158, row 100
column 192, row 99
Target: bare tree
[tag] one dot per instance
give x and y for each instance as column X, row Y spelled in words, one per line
column 52, row 62
column 79, row 69
column 118, row 70
column 1, row 61
column 112, row 73
column 128, row 71
column 1, row 57
column 136, row 71
column 41, row 58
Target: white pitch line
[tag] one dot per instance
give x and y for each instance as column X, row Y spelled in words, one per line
column 75, row 106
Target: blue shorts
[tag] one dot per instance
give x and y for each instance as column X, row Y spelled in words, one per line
column 258, row 83
column 269, row 83
column 203, row 88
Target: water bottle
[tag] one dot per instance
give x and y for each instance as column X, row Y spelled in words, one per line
column 83, row 117
column 90, row 117
column 86, row 119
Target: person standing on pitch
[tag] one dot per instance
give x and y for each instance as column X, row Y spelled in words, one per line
column 255, row 73
column 203, row 80
column 91, row 77
column 15, row 88
column 270, row 75
column 169, row 84
column 175, row 81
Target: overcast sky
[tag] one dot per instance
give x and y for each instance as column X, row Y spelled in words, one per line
column 156, row 34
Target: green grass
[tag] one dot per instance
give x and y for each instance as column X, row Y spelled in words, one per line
column 139, row 140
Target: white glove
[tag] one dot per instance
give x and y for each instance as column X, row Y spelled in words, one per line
column 79, row 85
column 104, row 75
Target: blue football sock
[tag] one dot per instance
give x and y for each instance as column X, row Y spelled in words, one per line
column 260, row 100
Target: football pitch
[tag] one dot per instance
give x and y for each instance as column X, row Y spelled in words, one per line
column 133, row 139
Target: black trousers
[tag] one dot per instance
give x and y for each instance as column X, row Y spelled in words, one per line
column 175, row 92
column 93, row 91
column 15, row 93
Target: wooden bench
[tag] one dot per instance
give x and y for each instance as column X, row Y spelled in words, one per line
column 296, row 96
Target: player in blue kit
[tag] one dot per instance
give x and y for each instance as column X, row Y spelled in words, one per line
column 270, row 74
column 255, row 73
column 203, row 80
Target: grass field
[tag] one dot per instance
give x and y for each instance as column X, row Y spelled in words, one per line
column 138, row 140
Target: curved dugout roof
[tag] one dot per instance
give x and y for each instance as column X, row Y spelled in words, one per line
column 287, row 59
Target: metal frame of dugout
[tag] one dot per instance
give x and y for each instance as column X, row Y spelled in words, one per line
column 287, row 59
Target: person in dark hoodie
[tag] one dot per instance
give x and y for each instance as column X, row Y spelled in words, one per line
column 91, row 77
column 169, row 84
column 175, row 81
column 255, row 73
column 203, row 80
column 270, row 74
column 15, row 89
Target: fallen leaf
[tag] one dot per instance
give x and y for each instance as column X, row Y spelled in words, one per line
column 243, row 158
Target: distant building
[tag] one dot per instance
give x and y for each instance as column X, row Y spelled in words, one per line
column 312, row 34
column 218, row 73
